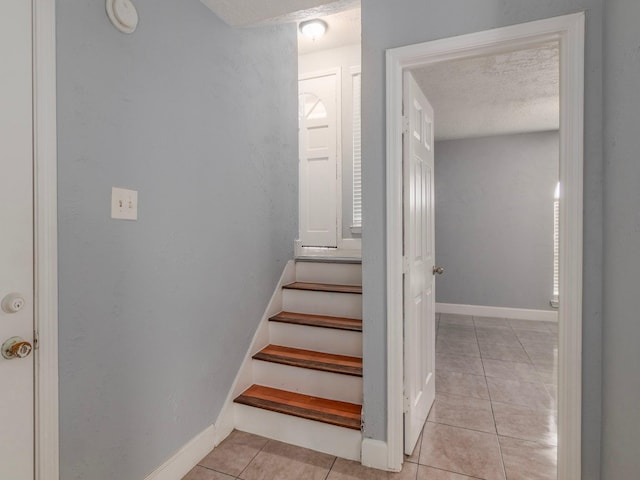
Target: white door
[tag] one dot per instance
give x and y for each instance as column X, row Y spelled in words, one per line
column 16, row 241
column 419, row 294
column 318, row 161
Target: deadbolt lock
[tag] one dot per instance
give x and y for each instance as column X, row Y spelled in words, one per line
column 16, row 347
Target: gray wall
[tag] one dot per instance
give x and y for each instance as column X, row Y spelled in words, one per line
column 494, row 219
column 621, row 353
column 388, row 24
column 156, row 315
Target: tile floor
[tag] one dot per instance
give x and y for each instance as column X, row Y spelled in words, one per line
column 494, row 417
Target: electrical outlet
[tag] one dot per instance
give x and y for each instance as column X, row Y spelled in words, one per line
column 124, row 204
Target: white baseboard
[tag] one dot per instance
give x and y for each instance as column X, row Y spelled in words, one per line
column 500, row 312
column 187, row 457
column 375, row 454
column 225, row 423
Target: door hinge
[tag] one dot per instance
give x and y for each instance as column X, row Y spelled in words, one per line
column 405, row 264
column 405, row 124
column 406, row 403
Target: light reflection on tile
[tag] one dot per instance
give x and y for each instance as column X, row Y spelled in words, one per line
column 525, row 372
column 519, row 393
column 465, row 412
column 528, row 460
column 459, row 441
column 525, row 423
column 461, row 384
column 462, row 451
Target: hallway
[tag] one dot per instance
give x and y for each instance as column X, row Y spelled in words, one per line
column 494, row 416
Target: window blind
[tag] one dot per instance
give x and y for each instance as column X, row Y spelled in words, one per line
column 357, row 155
column 555, row 295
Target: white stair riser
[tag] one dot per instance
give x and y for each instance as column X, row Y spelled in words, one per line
column 334, row 273
column 334, row 386
column 347, row 305
column 322, row 437
column 327, row 340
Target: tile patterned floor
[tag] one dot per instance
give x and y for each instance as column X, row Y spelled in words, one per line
column 494, row 417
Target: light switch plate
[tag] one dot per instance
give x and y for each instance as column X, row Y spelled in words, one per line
column 124, row 204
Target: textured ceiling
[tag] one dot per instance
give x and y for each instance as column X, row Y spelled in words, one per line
column 511, row 92
column 344, row 29
column 242, row 13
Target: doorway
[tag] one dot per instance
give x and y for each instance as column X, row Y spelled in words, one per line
column 330, row 187
column 568, row 31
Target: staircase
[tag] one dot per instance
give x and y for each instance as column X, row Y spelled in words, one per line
column 307, row 380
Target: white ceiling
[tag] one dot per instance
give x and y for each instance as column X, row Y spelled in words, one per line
column 512, row 92
column 242, row 13
column 344, row 29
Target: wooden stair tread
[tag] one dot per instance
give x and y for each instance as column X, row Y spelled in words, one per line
column 326, row 321
column 324, row 287
column 297, row 357
column 333, row 412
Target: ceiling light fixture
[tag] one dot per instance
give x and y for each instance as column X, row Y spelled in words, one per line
column 313, row 28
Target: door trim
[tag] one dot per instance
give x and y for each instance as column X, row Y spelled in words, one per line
column 45, row 238
column 569, row 31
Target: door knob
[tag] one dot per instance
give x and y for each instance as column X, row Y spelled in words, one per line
column 438, row 270
column 16, row 347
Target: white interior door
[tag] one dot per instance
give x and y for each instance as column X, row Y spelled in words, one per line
column 419, row 294
column 16, row 241
column 318, row 160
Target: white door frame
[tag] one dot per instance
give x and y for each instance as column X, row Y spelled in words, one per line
column 45, row 241
column 569, row 31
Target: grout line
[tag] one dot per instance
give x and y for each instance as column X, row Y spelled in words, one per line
column 495, row 424
column 330, row 468
column 217, row 471
column 448, row 471
column 463, row 428
column 254, row 457
column 528, row 440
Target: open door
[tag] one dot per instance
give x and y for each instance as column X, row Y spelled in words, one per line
column 419, row 292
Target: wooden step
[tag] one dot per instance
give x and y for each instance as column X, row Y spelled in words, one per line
column 342, row 414
column 339, row 323
column 324, row 287
column 297, row 357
